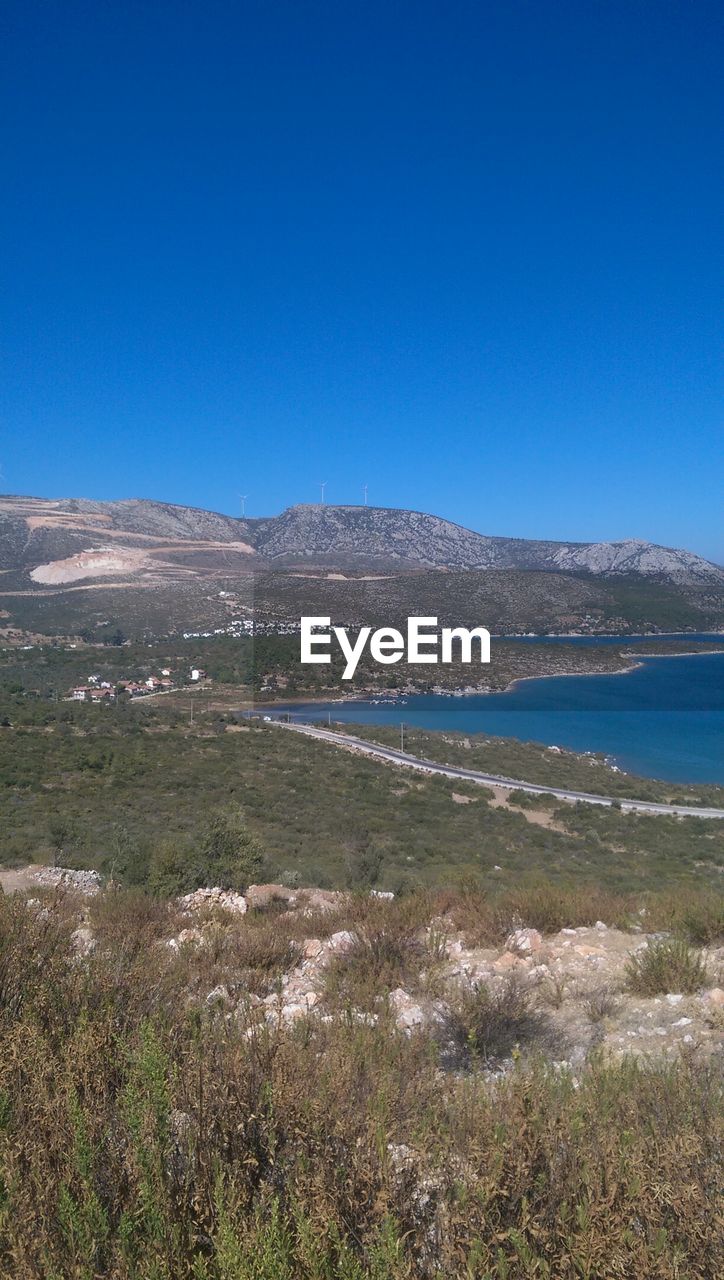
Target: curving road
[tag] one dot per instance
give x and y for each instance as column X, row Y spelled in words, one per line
column 492, row 780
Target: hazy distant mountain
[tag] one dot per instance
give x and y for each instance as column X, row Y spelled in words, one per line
column 68, row 565
column 36, row 534
column 388, row 535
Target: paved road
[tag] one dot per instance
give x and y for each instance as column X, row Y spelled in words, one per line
column 492, row 780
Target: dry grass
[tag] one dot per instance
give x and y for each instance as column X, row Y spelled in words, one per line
column 256, row 956
column 697, row 916
column 489, row 1026
column 247, row 955
column 389, row 951
column 144, row 1137
column 601, row 1003
column 486, row 918
column 130, row 919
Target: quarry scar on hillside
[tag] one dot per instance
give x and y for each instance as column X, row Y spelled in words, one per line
column 387, row 644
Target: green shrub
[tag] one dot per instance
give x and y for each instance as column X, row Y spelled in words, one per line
column 170, row 873
column 665, row 965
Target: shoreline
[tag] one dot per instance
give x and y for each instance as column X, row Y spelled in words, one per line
column 605, row 635
column 581, row 675
column 688, row 653
column 467, row 692
column 621, row 671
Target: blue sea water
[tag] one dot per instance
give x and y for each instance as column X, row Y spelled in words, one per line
column 663, row 720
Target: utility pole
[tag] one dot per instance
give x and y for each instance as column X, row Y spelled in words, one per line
column 402, row 735
column 191, row 715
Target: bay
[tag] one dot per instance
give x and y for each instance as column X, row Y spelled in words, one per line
column 664, row 720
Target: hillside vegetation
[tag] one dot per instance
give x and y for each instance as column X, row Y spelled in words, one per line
column 268, row 667
column 133, row 786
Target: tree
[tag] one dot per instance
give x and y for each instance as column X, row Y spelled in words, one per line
column 129, row 858
column 170, row 872
column 363, row 862
column 60, row 833
column 229, row 855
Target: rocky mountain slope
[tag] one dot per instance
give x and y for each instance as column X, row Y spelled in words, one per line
column 33, row 530
column 72, row 564
column 386, row 535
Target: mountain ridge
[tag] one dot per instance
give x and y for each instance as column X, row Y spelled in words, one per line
column 33, row 530
column 432, row 542
column 76, row 565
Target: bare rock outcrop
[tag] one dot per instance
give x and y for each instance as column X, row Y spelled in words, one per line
column 213, row 899
column 85, row 882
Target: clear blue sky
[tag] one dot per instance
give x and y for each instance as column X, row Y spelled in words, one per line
column 465, row 252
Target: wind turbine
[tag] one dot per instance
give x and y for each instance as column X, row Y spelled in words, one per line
column 323, row 486
column 364, row 490
column 242, row 499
